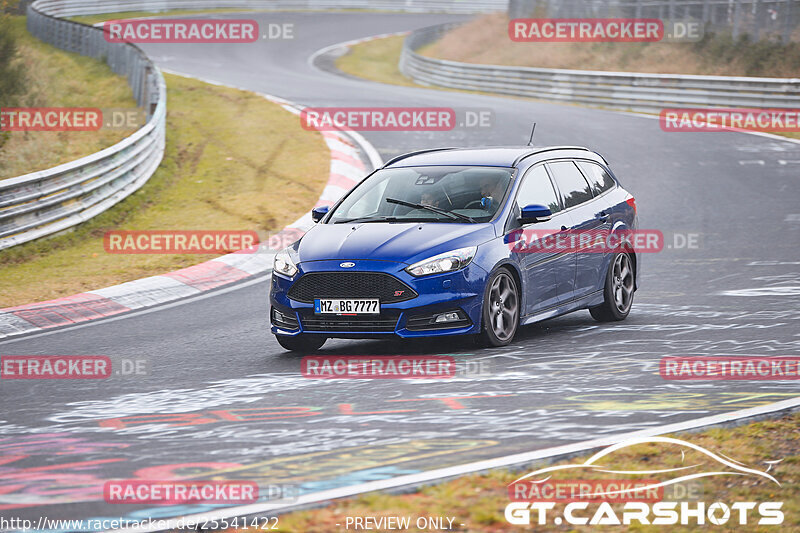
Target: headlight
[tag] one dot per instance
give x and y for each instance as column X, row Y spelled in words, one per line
column 446, row 262
column 283, row 264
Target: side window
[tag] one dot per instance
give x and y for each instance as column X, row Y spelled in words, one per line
column 536, row 188
column 573, row 186
column 598, row 177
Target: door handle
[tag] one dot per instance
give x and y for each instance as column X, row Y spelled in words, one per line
column 603, row 216
column 564, row 228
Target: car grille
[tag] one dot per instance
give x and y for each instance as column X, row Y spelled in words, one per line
column 382, row 323
column 388, row 289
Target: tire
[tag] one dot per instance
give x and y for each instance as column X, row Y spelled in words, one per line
column 301, row 342
column 618, row 291
column 501, row 304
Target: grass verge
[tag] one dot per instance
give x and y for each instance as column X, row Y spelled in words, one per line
column 54, row 78
column 485, row 40
column 477, row 502
column 233, row 161
column 376, row 60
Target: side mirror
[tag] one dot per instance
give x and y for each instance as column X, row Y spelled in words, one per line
column 318, row 213
column 535, row 213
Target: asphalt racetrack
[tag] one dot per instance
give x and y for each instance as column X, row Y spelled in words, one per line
column 222, row 399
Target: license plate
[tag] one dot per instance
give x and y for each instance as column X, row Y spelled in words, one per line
column 347, row 306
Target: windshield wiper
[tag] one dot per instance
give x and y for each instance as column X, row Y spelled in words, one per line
column 431, row 208
column 380, row 219
column 365, row 219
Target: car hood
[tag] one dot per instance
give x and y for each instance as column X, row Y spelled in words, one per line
column 395, row 241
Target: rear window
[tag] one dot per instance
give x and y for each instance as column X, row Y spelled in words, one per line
column 598, row 177
column 573, row 186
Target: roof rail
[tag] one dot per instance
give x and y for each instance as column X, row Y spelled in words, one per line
column 550, row 149
column 417, row 152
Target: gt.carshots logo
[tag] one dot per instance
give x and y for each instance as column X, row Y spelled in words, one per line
column 638, row 494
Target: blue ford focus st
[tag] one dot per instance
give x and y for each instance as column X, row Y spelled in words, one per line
column 445, row 242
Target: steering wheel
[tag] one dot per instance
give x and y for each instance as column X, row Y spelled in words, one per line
column 479, row 204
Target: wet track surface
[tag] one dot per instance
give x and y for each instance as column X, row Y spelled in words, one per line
column 223, row 400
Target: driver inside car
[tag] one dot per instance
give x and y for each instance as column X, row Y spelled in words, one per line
column 491, row 188
column 428, row 198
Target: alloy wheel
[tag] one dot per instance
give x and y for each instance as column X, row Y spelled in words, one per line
column 503, row 307
column 622, row 282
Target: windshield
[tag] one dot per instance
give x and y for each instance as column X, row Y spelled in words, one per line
column 430, row 194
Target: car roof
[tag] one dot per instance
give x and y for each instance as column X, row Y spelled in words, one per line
column 496, row 156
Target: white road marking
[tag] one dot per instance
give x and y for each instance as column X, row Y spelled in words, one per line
column 123, row 316
column 788, row 290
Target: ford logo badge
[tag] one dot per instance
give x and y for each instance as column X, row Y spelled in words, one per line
column 347, row 265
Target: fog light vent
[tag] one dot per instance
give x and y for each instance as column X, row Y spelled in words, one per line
column 447, row 317
column 455, row 318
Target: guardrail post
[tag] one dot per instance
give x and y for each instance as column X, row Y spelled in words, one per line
column 152, row 98
column 758, row 9
column 737, row 18
column 788, row 22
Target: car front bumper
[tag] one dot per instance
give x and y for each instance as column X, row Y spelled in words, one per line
column 460, row 292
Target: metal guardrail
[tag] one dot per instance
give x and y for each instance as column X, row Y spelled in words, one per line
column 619, row 90
column 70, row 8
column 50, row 201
